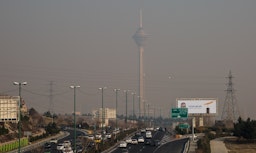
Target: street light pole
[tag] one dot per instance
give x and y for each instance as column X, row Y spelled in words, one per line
column 133, row 94
column 74, row 87
column 126, row 91
column 139, row 108
column 116, row 91
column 19, row 118
column 102, row 109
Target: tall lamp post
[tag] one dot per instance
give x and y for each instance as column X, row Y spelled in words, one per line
column 74, row 87
column 116, row 91
column 102, row 109
column 19, row 122
column 133, row 114
column 126, row 91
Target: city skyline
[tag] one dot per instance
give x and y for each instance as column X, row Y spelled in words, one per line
column 192, row 47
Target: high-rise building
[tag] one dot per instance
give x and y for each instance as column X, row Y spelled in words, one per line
column 107, row 113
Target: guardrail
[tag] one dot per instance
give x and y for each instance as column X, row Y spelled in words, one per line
column 40, row 143
column 186, row 147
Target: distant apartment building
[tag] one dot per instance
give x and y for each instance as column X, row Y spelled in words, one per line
column 105, row 114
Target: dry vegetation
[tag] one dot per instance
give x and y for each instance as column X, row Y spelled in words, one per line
column 241, row 146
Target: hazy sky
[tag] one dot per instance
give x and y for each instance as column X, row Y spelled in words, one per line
column 89, row 43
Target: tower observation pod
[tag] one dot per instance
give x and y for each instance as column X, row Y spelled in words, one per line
column 140, row 39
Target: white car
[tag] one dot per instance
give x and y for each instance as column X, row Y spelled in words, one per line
column 90, row 137
column 67, row 143
column 67, row 150
column 122, row 144
column 141, row 139
column 134, row 141
column 53, row 141
column 60, row 146
column 129, row 140
column 108, row 135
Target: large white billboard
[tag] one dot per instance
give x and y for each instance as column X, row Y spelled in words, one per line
column 9, row 108
column 199, row 105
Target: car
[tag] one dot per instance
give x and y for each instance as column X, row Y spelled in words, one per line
column 191, row 136
column 128, row 140
column 91, row 144
column 156, row 143
column 122, row 144
column 53, row 141
column 134, row 141
column 79, row 149
column 148, row 134
column 143, row 130
column 147, row 141
column 125, row 151
column 67, row 143
column 141, row 139
column 67, row 150
column 98, row 136
column 47, row 145
column 60, row 146
column 138, row 134
column 90, row 137
column 108, row 135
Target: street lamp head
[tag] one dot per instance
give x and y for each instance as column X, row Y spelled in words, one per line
column 15, row 83
column 116, row 90
column 103, row 88
column 72, row 87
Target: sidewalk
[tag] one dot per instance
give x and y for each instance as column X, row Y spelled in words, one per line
column 192, row 146
column 218, row 146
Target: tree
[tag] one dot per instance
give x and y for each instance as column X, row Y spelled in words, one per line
column 245, row 129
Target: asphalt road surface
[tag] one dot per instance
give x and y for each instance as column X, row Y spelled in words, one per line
column 141, row 147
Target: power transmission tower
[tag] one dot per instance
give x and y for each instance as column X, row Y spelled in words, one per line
column 230, row 111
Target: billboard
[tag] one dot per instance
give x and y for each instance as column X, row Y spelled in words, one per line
column 9, row 108
column 199, row 105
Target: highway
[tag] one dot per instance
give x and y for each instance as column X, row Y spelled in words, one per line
column 141, row 147
column 170, row 147
column 53, row 147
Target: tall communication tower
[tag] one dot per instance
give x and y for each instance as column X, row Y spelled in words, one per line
column 140, row 38
column 230, row 111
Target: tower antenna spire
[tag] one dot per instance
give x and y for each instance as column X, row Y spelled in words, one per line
column 140, row 18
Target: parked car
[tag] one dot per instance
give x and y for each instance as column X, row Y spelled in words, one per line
column 123, row 144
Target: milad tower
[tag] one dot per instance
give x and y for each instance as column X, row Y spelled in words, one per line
column 140, row 38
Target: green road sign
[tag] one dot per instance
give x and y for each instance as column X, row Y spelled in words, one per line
column 184, row 126
column 179, row 113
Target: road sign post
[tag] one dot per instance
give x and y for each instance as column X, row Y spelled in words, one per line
column 184, row 126
column 179, row 113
